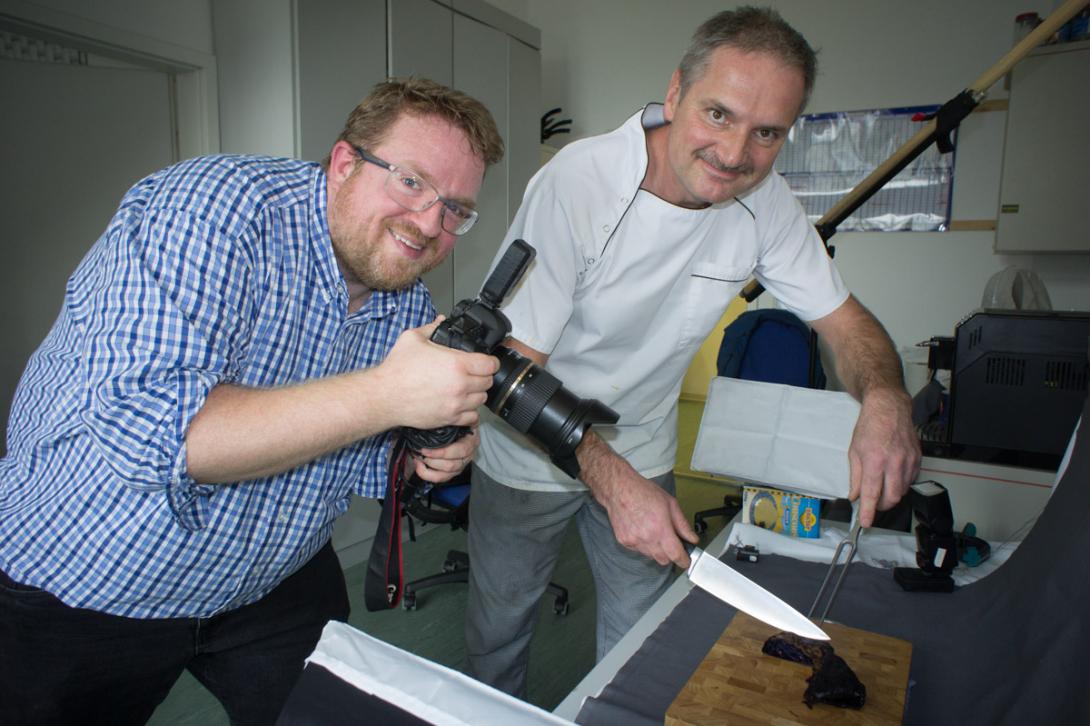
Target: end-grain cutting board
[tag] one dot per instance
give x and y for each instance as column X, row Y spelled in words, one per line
column 737, row 684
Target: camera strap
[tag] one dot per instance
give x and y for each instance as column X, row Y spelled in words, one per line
column 385, row 572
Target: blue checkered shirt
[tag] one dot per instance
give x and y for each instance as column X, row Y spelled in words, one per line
column 216, row 270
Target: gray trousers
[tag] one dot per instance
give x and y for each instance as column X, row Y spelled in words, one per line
column 515, row 538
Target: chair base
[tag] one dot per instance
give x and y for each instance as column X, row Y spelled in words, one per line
column 456, row 569
column 731, row 506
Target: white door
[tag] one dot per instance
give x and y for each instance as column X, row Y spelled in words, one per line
column 74, row 138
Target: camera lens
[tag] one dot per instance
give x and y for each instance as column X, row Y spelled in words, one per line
column 534, row 402
column 520, row 389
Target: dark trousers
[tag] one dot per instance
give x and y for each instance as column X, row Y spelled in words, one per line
column 65, row 665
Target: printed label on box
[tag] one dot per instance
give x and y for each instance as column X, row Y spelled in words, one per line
column 786, row 512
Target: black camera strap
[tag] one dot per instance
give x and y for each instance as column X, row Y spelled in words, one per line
column 384, row 580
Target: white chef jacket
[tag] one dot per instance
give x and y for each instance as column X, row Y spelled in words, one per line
column 625, row 288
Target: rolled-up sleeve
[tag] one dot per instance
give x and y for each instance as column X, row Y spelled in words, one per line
column 162, row 329
column 793, row 264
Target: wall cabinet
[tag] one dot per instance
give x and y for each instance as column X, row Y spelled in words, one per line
column 1046, row 156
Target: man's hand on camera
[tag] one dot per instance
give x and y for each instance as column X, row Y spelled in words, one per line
column 644, row 517
column 433, row 385
column 440, row 465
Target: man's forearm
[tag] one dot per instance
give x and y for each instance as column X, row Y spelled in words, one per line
column 643, row 516
column 863, row 352
column 247, row 433
column 600, row 467
column 884, row 453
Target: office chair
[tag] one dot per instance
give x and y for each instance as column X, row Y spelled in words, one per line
column 449, row 504
column 769, row 345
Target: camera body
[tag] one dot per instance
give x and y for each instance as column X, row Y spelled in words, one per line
column 523, row 394
column 475, row 326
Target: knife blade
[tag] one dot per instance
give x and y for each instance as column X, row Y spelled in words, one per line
column 721, row 580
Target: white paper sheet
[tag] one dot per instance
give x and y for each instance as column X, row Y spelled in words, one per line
column 425, row 689
column 877, row 548
column 790, row 438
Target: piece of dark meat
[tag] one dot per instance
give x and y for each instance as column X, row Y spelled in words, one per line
column 831, row 681
column 795, row 648
column 835, row 683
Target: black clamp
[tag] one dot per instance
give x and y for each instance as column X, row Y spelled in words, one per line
column 950, row 116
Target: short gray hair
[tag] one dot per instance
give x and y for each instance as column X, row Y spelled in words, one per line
column 749, row 29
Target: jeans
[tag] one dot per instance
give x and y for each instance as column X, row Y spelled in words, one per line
column 65, row 665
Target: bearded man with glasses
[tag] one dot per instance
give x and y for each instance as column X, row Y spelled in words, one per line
column 225, row 373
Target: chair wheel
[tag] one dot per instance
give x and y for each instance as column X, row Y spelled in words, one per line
column 700, row 526
column 561, row 607
column 408, row 600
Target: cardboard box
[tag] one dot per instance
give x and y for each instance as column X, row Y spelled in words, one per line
column 792, row 514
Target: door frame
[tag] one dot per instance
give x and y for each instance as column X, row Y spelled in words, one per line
column 193, row 72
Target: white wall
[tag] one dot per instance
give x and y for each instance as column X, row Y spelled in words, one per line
column 602, row 60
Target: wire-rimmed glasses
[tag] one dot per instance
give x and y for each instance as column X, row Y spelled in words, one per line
column 415, row 193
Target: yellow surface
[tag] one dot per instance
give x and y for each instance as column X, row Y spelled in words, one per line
column 694, row 389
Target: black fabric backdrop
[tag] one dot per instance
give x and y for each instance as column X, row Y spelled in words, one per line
column 1011, row 648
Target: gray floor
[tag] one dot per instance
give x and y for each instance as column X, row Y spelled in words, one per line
column 562, row 651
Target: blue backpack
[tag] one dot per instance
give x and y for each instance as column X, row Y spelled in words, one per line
column 768, row 345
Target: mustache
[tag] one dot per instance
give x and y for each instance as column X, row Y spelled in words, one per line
column 709, row 157
column 407, row 229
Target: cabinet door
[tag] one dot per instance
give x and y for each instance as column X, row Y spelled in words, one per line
column 428, row 39
column 341, row 56
column 1046, row 157
column 420, row 40
column 480, row 69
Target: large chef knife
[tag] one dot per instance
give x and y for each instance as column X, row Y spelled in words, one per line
column 719, row 579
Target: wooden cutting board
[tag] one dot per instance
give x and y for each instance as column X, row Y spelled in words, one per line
column 737, row 684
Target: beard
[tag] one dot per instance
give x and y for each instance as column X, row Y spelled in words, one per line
column 367, row 258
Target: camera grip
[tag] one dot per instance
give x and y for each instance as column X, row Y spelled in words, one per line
column 432, row 438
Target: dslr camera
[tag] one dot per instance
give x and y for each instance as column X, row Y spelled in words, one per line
column 523, row 394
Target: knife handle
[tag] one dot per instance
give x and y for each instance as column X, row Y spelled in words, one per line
column 695, row 553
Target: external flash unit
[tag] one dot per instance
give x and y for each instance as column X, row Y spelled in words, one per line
column 936, row 544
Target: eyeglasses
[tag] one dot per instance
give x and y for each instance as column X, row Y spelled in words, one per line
column 416, row 194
